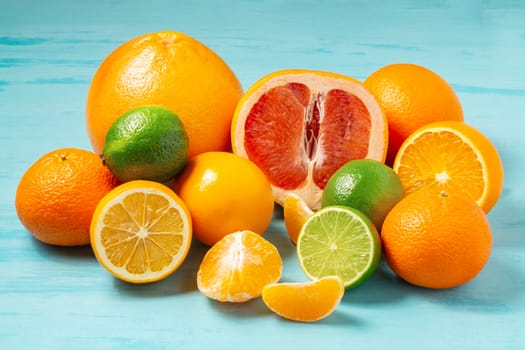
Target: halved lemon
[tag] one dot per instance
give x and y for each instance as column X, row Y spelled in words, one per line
column 141, row 231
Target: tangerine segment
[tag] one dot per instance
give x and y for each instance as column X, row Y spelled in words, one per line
column 295, row 212
column 141, row 231
column 306, row 302
column 452, row 156
column 300, row 126
column 238, row 266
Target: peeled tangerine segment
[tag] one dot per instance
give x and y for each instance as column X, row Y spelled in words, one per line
column 306, row 302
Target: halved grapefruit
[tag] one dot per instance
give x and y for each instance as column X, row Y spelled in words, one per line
column 300, row 126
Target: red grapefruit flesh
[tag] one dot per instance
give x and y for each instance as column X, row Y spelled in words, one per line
column 299, row 127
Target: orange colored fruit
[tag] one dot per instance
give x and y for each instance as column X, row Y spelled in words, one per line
column 295, row 212
column 305, row 302
column 237, row 267
column 300, row 126
column 141, row 231
column 169, row 69
column 225, row 193
column 452, row 156
column 57, row 195
column 411, row 96
column 436, row 239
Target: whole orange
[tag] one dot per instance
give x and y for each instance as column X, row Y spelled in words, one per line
column 411, row 96
column 436, row 240
column 169, row 69
column 225, row 193
column 57, row 196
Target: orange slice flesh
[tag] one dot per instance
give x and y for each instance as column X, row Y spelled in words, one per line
column 236, row 268
column 299, row 126
column 141, row 231
column 295, row 212
column 452, row 156
column 306, row 302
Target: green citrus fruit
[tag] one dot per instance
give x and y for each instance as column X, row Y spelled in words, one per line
column 146, row 143
column 367, row 185
column 340, row 241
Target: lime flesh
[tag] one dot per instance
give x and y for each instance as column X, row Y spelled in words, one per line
column 340, row 241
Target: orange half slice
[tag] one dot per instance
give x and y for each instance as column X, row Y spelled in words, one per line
column 452, row 156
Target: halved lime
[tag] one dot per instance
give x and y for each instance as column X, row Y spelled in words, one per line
column 341, row 241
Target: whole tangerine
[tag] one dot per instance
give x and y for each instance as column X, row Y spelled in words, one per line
column 57, row 195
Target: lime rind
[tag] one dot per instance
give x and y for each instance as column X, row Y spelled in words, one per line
column 341, row 241
column 147, row 143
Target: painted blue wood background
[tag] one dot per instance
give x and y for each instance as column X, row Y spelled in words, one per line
column 61, row 298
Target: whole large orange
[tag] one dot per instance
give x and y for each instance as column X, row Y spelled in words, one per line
column 436, row 239
column 57, row 196
column 169, row 69
column 411, row 96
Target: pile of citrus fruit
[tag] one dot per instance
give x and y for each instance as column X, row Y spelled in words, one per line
column 384, row 168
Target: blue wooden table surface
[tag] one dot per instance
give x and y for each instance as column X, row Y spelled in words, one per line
column 60, row 298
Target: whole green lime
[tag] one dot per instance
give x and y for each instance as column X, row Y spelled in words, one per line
column 147, row 143
column 367, row 185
